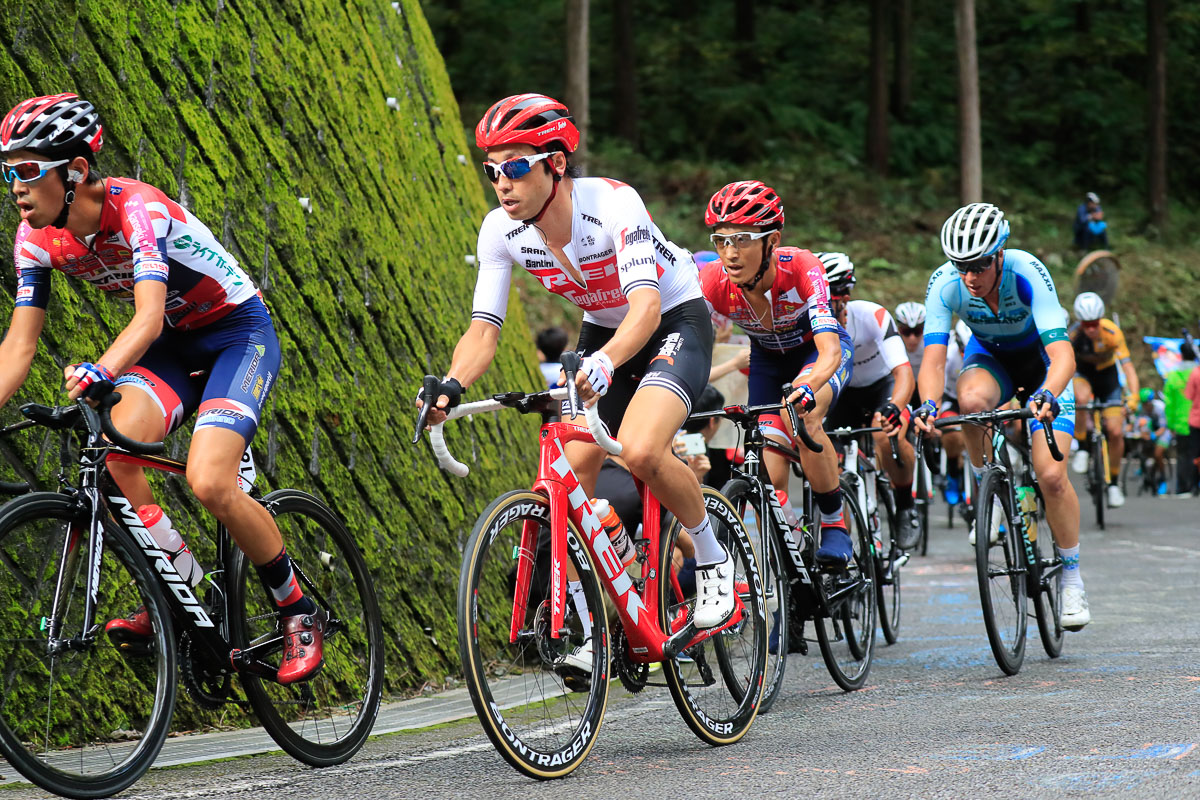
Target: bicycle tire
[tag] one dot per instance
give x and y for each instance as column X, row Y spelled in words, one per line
column 846, row 632
column 922, row 500
column 1099, row 481
column 889, row 595
column 325, row 720
column 723, row 715
column 1048, row 601
column 93, row 734
column 776, row 588
column 526, row 738
column 1006, row 635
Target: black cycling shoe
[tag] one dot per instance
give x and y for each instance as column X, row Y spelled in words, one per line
column 908, row 529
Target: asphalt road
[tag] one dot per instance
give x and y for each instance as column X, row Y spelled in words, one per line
column 1116, row 715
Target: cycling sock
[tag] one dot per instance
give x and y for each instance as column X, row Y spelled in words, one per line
column 1070, row 570
column 708, row 550
column 830, row 504
column 280, row 581
column 575, row 589
column 904, row 498
column 977, row 473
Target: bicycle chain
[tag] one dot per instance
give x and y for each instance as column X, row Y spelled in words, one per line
column 632, row 675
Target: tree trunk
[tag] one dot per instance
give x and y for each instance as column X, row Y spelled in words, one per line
column 877, row 120
column 577, row 74
column 625, row 94
column 743, row 21
column 902, row 67
column 1083, row 16
column 1156, row 164
column 969, row 146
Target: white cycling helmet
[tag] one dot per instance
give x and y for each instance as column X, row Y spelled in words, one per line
column 974, row 231
column 1089, row 306
column 910, row 314
column 839, row 270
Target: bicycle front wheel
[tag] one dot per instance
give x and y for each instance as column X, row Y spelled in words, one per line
column 78, row 716
column 1049, row 590
column 775, row 586
column 846, row 624
column 1001, row 568
column 1099, row 480
column 717, row 684
column 540, row 698
column 325, row 720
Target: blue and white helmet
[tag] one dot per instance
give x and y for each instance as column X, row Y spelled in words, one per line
column 974, row 231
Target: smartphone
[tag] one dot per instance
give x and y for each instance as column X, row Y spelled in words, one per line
column 694, row 443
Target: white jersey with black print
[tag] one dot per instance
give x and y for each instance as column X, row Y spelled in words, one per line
column 878, row 348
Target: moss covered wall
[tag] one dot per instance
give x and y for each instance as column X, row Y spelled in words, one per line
column 238, row 108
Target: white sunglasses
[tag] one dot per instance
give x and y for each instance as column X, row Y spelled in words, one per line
column 738, row 240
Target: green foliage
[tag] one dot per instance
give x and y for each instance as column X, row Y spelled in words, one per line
column 239, row 107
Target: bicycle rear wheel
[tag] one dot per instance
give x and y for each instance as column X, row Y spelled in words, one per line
column 541, row 714
column 717, row 684
column 1049, row 590
column 1099, row 480
column 775, row 586
column 1001, row 571
column 325, row 720
column 87, row 720
column 887, row 576
column 846, row 625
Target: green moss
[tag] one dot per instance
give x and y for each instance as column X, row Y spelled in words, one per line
column 238, row 108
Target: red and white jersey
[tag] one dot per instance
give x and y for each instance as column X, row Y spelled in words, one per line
column 614, row 245
column 144, row 235
column 799, row 301
column 878, row 348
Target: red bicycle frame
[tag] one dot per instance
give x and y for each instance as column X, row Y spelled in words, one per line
column 638, row 609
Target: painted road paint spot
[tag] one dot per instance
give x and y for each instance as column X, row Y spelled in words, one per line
column 1091, row 781
column 991, row 752
column 1172, row 752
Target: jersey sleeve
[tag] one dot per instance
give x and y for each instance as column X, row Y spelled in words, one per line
column 495, row 274
column 938, row 312
column 628, row 223
column 33, row 269
column 712, row 286
column 892, row 349
column 1120, row 347
column 1048, row 314
column 147, row 239
column 813, row 287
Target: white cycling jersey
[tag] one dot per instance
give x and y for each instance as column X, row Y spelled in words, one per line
column 878, row 348
column 954, row 357
column 615, row 247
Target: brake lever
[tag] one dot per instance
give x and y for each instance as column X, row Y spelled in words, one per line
column 428, row 397
column 571, row 362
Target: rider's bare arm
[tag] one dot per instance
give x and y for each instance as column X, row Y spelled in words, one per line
column 1132, row 385
column 474, row 352
column 645, row 312
column 903, row 385
column 149, row 301
column 18, row 349
column 1062, row 366
column 931, row 383
column 829, row 358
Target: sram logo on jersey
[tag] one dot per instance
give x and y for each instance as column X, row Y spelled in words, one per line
column 161, row 562
column 635, row 236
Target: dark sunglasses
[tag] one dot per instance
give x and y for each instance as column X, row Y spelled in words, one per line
column 976, row 265
column 29, row 171
column 514, row 168
column 911, row 331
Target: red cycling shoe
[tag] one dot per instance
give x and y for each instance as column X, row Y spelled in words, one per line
column 132, row 632
column 303, row 635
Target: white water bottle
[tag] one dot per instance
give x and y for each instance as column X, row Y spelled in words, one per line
column 171, row 542
column 789, row 513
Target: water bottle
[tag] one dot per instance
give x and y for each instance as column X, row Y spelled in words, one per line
column 789, row 513
column 171, row 542
column 615, row 530
column 1027, row 500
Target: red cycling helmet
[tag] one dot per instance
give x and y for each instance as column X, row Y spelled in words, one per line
column 52, row 123
column 532, row 119
column 745, row 203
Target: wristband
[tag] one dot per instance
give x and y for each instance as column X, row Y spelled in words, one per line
column 927, row 410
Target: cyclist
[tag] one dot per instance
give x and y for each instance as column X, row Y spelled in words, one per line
column 1100, row 351
column 1151, row 426
column 1019, row 348
column 646, row 336
column 780, row 297
column 910, row 321
column 879, row 388
column 201, row 339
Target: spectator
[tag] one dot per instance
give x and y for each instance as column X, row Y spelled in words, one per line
column 1192, row 392
column 1091, row 231
column 1178, row 410
column 550, row 345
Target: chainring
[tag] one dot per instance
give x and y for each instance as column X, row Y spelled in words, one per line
column 632, row 675
column 210, row 690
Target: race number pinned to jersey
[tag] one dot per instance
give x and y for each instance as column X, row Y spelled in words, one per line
column 247, row 474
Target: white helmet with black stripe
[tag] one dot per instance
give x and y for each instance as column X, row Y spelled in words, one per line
column 974, row 231
column 839, row 270
column 1089, row 306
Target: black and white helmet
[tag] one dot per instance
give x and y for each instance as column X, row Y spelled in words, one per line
column 839, row 270
column 910, row 314
column 1089, row 306
column 974, row 231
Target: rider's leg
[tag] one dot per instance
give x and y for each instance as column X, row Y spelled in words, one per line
column 138, row 417
column 1114, row 431
column 978, row 390
column 900, row 473
column 1083, row 396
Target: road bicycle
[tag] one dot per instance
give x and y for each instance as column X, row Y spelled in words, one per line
column 839, row 601
column 872, row 490
column 1098, row 463
column 517, row 623
column 75, row 558
column 1010, row 514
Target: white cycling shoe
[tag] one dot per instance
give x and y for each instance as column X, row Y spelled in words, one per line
column 1116, row 498
column 714, row 593
column 997, row 528
column 1079, row 462
column 1075, row 612
column 580, row 658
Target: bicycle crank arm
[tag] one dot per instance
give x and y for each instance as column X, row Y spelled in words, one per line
column 690, row 635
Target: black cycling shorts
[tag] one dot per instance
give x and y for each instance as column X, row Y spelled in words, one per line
column 858, row 404
column 678, row 357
